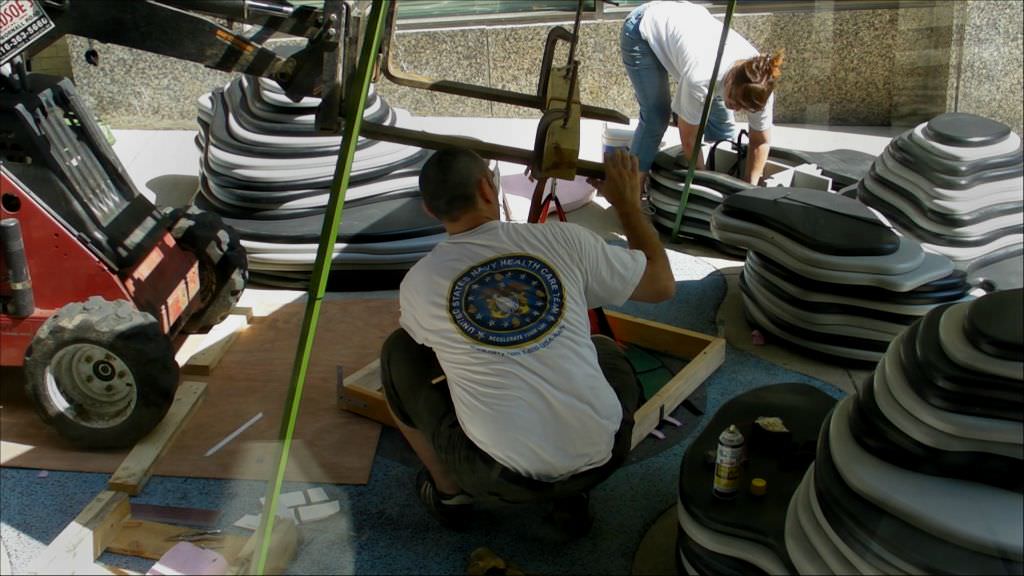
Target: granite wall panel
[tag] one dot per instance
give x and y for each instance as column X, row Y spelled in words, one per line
column 839, row 66
column 460, row 54
column 137, row 89
column 991, row 82
column 867, row 67
column 924, row 62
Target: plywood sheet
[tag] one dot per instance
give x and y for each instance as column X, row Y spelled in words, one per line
column 252, row 377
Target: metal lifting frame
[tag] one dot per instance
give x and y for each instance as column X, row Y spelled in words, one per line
column 541, row 101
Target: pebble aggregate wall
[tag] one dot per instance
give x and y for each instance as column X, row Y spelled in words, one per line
column 853, row 67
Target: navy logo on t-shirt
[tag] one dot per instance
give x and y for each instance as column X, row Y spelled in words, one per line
column 510, row 301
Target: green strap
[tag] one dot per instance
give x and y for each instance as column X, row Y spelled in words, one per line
column 685, row 196
column 355, row 101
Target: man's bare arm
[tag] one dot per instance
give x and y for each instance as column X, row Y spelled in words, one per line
column 621, row 188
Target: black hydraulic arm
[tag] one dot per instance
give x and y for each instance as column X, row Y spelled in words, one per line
column 171, row 28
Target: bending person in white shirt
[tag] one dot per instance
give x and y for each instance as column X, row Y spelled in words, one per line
column 531, row 406
column 666, row 39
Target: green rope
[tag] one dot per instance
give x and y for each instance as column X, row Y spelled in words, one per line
column 355, row 101
column 685, row 196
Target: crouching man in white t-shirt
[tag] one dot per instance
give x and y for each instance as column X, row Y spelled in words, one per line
column 532, row 407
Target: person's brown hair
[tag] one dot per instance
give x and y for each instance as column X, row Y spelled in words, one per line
column 750, row 82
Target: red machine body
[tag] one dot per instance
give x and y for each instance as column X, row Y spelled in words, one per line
column 96, row 282
column 164, row 283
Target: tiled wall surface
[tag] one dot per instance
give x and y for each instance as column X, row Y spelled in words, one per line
column 136, row 89
column 924, row 63
column 992, row 79
column 860, row 67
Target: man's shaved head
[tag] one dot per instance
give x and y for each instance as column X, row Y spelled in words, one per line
column 448, row 182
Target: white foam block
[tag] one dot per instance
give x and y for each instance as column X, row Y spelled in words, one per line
column 315, row 512
column 316, row 495
column 252, row 521
column 249, row 521
column 288, row 499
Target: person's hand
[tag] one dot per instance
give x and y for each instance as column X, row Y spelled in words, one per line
column 623, row 180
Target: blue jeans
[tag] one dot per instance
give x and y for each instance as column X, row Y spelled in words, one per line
column 651, row 87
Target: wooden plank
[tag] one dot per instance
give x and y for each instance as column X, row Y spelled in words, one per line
column 372, row 405
column 491, row 150
column 153, row 539
column 76, row 548
column 256, row 306
column 681, row 385
column 247, row 311
column 657, row 336
column 188, row 347
column 136, row 468
column 366, row 378
column 362, row 393
column 213, row 346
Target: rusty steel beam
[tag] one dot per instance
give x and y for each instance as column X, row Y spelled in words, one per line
column 495, row 95
column 484, row 149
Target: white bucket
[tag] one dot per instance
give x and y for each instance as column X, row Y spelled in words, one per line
column 615, row 138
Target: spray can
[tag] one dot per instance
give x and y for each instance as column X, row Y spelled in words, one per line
column 727, row 463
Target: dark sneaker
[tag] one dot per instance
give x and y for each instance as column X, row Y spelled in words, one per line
column 571, row 515
column 451, row 511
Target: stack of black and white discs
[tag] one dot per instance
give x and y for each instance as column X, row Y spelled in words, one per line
column 824, row 274
column 707, row 192
column 922, row 471
column 955, row 184
column 743, row 531
column 267, row 172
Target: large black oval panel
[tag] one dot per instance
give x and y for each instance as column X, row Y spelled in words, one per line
column 822, row 221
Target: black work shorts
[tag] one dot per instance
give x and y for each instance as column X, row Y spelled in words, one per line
column 407, row 369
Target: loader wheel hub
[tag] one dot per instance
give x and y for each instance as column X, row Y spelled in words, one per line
column 104, row 370
column 94, row 386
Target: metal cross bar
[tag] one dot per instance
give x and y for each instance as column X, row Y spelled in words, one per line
column 537, row 101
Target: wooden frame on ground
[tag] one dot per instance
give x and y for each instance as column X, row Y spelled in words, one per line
column 361, row 392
